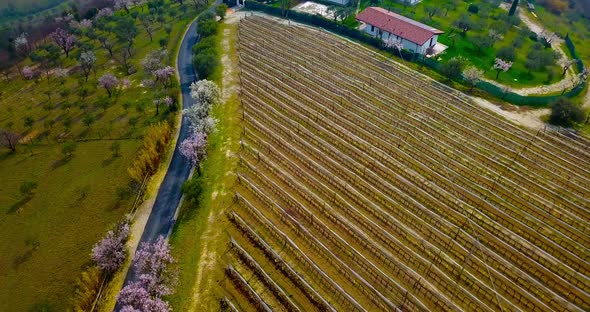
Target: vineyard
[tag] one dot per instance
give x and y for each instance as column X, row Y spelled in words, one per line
column 363, row 185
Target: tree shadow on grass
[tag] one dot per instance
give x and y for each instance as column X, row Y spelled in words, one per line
column 21, row 259
column 84, row 133
column 41, row 307
column 16, row 206
column 99, row 116
column 58, row 163
column 108, row 161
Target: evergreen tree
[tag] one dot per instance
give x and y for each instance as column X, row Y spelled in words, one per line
column 513, row 8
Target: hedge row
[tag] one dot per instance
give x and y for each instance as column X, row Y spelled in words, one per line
column 319, row 21
column 205, row 51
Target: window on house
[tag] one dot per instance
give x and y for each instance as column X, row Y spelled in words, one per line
column 372, row 28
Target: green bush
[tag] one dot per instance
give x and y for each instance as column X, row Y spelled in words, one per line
column 208, row 43
column 473, row 8
column 205, row 52
column 192, row 189
column 205, row 63
column 207, row 27
column 221, row 10
column 68, row 148
column 452, row 68
column 27, row 188
column 565, row 113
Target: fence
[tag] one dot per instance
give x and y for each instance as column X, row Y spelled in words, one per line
column 319, row 21
column 570, row 46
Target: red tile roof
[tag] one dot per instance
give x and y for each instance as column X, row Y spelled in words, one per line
column 398, row 25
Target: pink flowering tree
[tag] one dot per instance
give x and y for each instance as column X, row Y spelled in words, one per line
column 61, row 74
column 194, row 147
column 87, row 61
column 21, row 44
column 501, row 66
column 205, row 91
column 125, row 83
column 156, row 278
column 393, row 44
column 109, row 82
column 64, row 40
column 9, row 139
column 155, row 259
column 164, row 75
column 168, row 101
column 154, row 61
column 110, row 252
column 28, row 73
column 104, row 12
column 122, row 4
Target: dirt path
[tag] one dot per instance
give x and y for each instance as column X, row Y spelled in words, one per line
column 522, row 116
column 565, row 83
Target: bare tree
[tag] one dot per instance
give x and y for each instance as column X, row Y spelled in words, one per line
column 9, row 139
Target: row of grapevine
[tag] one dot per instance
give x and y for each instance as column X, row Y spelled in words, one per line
column 372, row 187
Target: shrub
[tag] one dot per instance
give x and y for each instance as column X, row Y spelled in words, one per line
column 150, row 154
column 27, row 188
column 506, row 53
column 123, row 192
column 163, row 42
column 473, row 8
column 208, row 43
column 452, row 68
column 207, row 28
column 86, row 289
column 205, row 63
column 220, row 10
column 192, row 189
column 68, row 149
column 565, row 113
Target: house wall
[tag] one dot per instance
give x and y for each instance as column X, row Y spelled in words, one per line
column 407, row 45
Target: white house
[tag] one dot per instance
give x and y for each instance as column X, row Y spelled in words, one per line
column 414, row 36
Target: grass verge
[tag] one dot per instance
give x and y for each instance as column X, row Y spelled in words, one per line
column 196, row 238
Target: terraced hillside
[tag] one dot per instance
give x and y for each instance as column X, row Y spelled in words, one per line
column 364, row 185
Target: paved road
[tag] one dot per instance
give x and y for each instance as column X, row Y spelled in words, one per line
column 161, row 219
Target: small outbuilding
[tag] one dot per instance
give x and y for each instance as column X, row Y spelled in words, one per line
column 413, row 35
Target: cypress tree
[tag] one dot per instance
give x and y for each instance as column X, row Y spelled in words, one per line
column 513, row 8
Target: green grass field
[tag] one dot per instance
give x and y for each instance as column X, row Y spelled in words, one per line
column 461, row 45
column 46, row 241
column 192, row 244
column 577, row 27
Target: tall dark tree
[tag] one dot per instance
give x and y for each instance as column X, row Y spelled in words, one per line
column 513, row 8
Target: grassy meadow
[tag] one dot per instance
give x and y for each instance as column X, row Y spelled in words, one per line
column 46, row 238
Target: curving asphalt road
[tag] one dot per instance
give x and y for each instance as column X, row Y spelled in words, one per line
column 161, row 220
